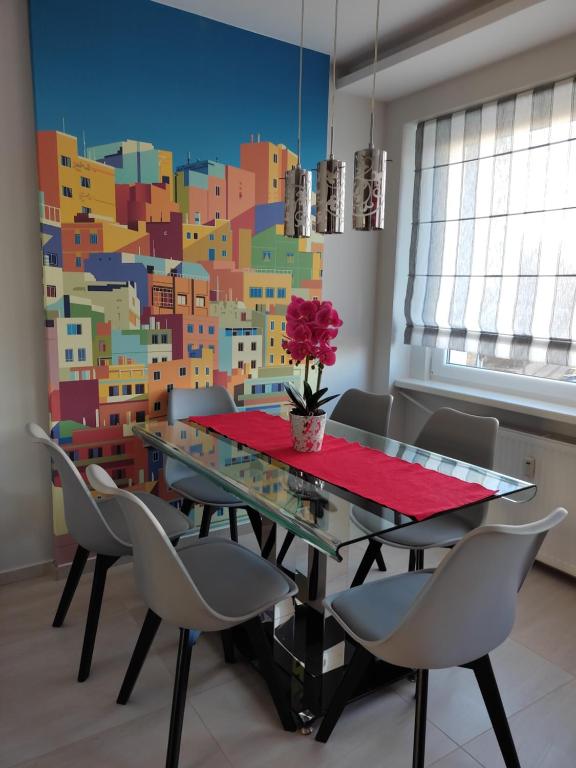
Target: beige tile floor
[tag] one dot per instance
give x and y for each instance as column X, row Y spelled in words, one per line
column 48, row 720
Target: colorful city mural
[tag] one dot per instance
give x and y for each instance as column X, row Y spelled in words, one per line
column 163, row 139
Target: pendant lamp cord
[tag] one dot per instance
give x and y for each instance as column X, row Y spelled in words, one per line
column 300, row 82
column 374, row 72
column 333, row 80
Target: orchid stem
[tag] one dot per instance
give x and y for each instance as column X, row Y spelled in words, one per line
column 306, row 370
column 320, row 369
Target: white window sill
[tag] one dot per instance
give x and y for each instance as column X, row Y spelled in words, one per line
column 502, row 400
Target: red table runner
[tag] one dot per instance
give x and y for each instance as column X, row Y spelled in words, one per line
column 400, row 485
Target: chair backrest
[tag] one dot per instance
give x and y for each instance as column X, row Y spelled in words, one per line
column 468, row 606
column 84, row 520
column 364, row 410
column 193, row 402
column 464, row 437
column 163, row 582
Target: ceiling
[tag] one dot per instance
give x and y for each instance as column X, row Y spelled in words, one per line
column 421, row 42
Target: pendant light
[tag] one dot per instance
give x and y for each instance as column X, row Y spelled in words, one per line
column 370, row 169
column 330, row 176
column 298, row 186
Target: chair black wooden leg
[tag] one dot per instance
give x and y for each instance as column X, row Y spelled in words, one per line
column 412, row 561
column 187, row 506
column 233, row 524
column 228, row 646
column 359, row 663
column 206, row 518
column 76, row 570
column 270, row 542
column 420, row 719
column 145, row 640
column 380, row 561
column 489, row 688
column 286, row 544
column 103, row 563
column 187, row 640
column 366, row 563
column 263, row 652
column 416, row 562
column 256, row 522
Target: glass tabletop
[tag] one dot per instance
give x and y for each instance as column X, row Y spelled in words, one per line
column 324, row 515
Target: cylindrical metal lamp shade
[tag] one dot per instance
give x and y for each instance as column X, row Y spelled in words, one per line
column 369, row 189
column 298, row 203
column 330, row 180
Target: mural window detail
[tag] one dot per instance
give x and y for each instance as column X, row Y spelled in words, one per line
column 81, row 355
column 85, row 182
column 182, row 299
column 200, row 301
column 67, row 191
column 66, row 161
column 156, row 376
column 69, row 355
column 51, row 291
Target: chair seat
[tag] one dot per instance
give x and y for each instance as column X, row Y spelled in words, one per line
column 202, row 490
column 253, row 583
column 373, row 611
column 442, row 531
column 171, row 519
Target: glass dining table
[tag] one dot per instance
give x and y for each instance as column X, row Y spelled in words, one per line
column 321, row 521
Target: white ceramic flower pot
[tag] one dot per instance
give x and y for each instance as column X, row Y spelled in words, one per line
column 307, row 432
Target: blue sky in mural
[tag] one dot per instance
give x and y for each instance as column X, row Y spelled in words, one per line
column 120, row 69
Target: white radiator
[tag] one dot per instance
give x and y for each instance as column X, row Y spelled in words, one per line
column 554, row 472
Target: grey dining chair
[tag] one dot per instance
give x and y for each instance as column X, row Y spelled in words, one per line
column 460, row 436
column 362, row 410
column 452, row 617
column 194, row 487
column 97, row 527
column 212, row 586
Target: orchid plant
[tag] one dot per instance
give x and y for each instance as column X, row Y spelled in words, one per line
column 311, row 326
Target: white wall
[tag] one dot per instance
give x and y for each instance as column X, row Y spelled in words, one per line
column 539, row 65
column 351, row 259
column 349, row 280
column 25, row 516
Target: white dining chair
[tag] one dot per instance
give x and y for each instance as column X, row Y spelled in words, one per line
column 100, row 528
column 212, row 586
column 451, row 617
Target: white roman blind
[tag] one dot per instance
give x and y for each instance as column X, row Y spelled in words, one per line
column 493, row 249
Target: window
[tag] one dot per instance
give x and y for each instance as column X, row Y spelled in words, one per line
column 253, row 345
column 140, row 416
column 492, row 238
column 255, row 293
column 224, row 253
column 211, row 254
column 266, row 255
column 271, row 359
column 139, row 389
column 81, row 355
column 195, row 235
column 211, row 236
column 196, row 371
column 85, row 182
column 126, row 389
column 240, row 346
column 188, row 235
column 281, row 293
column 275, row 157
column 224, row 238
column 114, row 419
column 217, row 191
column 272, row 341
column 51, row 291
column 253, row 364
column 207, row 371
column 182, row 299
column 67, row 191
column 69, row 355
column 217, row 214
column 66, row 161
column 163, row 296
column 155, row 338
column 77, row 238
column 156, row 375
column 157, row 406
column 272, row 324
column 182, row 371
column 73, row 329
column 86, row 210
column 165, row 179
column 155, row 456
column 290, row 258
column 154, row 359
column 200, row 301
column 78, row 261
column 113, row 391
column 211, row 330
column 170, row 387
column 93, row 238
column 275, row 183
column 164, row 338
column 94, row 453
column 50, row 259
column 282, row 359
column 117, row 450
column 269, row 293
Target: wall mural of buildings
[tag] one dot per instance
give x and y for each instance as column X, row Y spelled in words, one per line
column 160, row 171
